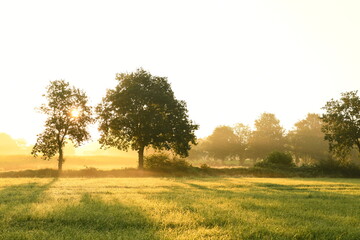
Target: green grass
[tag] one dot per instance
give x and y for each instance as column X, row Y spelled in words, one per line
column 179, row 208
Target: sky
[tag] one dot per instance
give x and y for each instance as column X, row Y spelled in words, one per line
column 229, row 60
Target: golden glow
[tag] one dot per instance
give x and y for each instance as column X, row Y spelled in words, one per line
column 290, row 48
column 75, row 113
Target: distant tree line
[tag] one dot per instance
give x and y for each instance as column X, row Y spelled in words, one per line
column 241, row 142
column 308, row 142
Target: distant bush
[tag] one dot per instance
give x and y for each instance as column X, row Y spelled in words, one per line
column 334, row 167
column 89, row 172
column 162, row 161
column 276, row 159
column 328, row 164
column 204, row 166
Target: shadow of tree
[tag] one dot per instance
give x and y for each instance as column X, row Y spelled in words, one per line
column 222, row 210
column 22, row 194
column 91, row 218
column 268, row 210
column 15, row 202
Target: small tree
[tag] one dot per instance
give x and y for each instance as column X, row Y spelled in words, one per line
column 342, row 123
column 68, row 116
column 142, row 111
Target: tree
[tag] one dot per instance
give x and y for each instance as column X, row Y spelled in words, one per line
column 141, row 112
column 222, row 143
column 307, row 140
column 68, row 118
column 243, row 133
column 342, row 123
column 267, row 137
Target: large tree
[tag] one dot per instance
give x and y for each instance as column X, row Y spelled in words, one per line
column 141, row 112
column 267, row 137
column 342, row 123
column 307, row 140
column 68, row 116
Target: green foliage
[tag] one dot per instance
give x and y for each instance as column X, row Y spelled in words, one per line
column 333, row 167
column 162, row 161
column 60, row 124
column 276, row 159
column 142, row 111
column 342, row 124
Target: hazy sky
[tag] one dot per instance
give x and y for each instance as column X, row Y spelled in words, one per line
column 229, row 60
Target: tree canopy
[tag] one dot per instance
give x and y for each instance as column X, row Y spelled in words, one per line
column 141, row 112
column 68, row 118
column 267, row 137
column 243, row 133
column 222, row 143
column 342, row 123
column 307, row 140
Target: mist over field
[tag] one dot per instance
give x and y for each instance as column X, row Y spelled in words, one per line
column 15, row 155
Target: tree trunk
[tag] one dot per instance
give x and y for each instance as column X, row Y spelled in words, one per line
column 60, row 160
column 141, row 158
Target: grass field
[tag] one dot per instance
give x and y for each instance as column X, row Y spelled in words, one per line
column 179, row 208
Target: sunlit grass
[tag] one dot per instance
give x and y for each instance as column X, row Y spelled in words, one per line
column 179, row 208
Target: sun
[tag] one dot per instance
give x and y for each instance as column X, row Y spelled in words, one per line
column 75, row 113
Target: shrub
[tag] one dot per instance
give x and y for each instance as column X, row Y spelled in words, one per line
column 277, row 159
column 89, row 171
column 204, row 166
column 334, row 167
column 162, row 161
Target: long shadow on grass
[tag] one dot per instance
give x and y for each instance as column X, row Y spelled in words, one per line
column 93, row 218
column 310, row 214
column 209, row 208
column 22, row 194
column 320, row 214
column 15, row 202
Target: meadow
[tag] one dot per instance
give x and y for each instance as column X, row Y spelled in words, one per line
column 179, row 208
